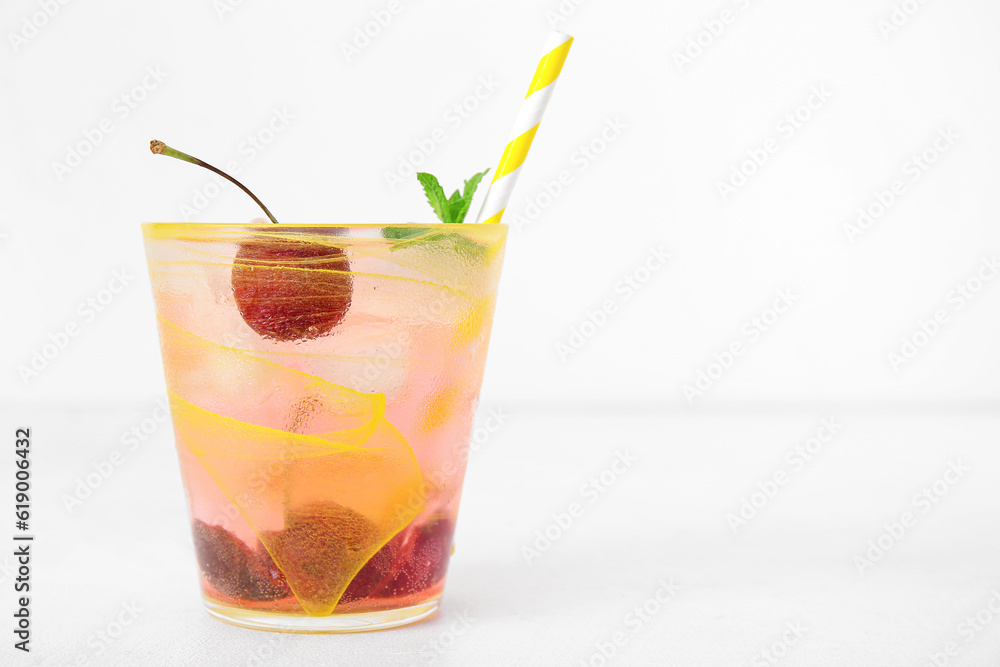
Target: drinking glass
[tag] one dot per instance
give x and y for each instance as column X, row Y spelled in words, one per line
column 323, row 382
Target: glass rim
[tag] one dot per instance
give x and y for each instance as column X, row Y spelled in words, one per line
column 491, row 233
column 324, row 225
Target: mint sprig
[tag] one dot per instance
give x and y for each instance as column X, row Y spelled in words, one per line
column 435, row 196
column 450, row 210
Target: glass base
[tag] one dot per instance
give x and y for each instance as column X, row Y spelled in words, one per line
column 333, row 624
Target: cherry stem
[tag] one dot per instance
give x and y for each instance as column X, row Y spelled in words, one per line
column 160, row 148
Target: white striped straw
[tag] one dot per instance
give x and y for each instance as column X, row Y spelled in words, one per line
column 526, row 126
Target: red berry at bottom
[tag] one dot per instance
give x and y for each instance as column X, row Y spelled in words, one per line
column 371, row 575
column 315, row 542
column 427, row 562
column 411, row 562
column 233, row 568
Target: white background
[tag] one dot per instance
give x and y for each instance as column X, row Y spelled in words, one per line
column 890, row 90
column 655, row 185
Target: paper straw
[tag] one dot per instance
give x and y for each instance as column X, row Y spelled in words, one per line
column 528, row 119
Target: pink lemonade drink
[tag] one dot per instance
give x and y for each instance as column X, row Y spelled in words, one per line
column 323, row 383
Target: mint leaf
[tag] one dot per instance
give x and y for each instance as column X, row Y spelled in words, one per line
column 458, row 242
column 408, row 237
column 435, row 196
column 471, row 186
column 455, row 208
column 400, row 233
column 448, row 209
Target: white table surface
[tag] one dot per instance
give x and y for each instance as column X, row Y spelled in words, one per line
column 663, row 519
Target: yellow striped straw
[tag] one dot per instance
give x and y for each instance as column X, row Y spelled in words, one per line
column 526, row 126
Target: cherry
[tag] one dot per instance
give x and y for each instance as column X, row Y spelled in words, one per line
column 427, row 561
column 412, row 561
column 371, row 575
column 286, row 290
column 235, row 570
column 314, row 543
column 290, row 290
column 270, row 578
